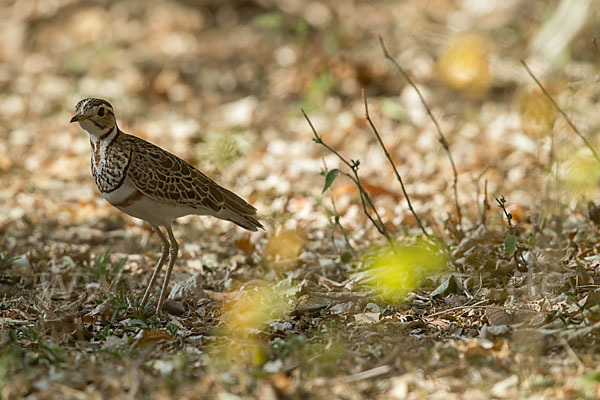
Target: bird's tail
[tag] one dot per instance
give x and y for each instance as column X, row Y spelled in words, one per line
column 238, row 211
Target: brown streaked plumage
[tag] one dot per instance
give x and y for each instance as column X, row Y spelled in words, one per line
column 150, row 183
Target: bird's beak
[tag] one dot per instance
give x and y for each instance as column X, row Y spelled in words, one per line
column 74, row 119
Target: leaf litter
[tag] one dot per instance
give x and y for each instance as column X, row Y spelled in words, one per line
column 301, row 310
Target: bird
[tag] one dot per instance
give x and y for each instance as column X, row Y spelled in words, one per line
column 149, row 183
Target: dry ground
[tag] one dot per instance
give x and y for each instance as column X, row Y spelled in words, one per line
column 315, row 306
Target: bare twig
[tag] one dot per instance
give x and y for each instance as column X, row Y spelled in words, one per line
column 574, row 356
column 368, row 374
column 485, row 204
column 595, row 43
column 441, row 137
column 364, row 196
column 339, row 224
column 389, row 157
column 336, row 218
column 560, row 110
column 468, row 307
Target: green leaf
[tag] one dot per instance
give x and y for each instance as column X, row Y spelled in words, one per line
column 331, row 175
column 510, row 244
column 273, row 21
column 393, row 110
column 589, row 379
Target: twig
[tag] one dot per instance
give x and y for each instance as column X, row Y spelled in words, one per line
column 471, row 307
column 578, row 333
column 560, row 110
column 387, row 154
column 336, row 218
column 342, row 229
column 574, row 356
column 441, row 137
column 364, row 196
column 485, row 203
column 595, row 43
column 368, row 374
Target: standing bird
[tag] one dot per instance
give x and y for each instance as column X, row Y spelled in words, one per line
column 147, row 182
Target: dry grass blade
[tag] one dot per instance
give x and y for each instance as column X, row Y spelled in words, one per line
column 441, row 137
column 560, row 110
column 389, row 157
column 485, row 205
column 369, row 374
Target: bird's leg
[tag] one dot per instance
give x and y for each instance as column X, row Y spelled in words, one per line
column 172, row 257
column 165, row 251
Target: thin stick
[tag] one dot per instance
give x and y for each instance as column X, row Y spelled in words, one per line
column 485, row 205
column 441, row 137
column 338, row 223
column 336, row 220
column 574, row 356
column 560, row 110
column 368, row 374
column 389, row 157
column 471, row 307
column 364, row 196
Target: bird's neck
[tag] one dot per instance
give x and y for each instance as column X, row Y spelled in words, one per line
column 102, row 141
column 104, row 138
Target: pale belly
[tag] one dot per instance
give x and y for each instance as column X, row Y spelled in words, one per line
column 132, row 202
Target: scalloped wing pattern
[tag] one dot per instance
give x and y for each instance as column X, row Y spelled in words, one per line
column 165, row 177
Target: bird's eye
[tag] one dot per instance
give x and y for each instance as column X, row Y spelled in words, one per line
column 101, row 111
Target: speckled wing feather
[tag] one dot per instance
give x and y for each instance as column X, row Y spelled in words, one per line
column 165, row 177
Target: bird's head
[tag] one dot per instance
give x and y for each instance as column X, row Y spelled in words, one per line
column 95, row 116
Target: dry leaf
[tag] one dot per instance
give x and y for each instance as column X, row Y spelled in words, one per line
column 367, row 317
column 284, row 248
column 147, row 337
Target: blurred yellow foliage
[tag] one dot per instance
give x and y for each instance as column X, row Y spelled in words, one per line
column 537, row 114
column 249, row 311
column 256, row 307
column 396, row 271
column 464, row 65
column 240, row 351
column 583, row 174
column 285, row 247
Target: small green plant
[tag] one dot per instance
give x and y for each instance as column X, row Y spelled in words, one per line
column 12, row 359
column 172, row 329
column 510, row 241
column 334, row 216
column 101, row 269
column 6, row 260
column 367, row 203
column 103, row 334
column 51, row 352
column 31, row 333
column 120, row 301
